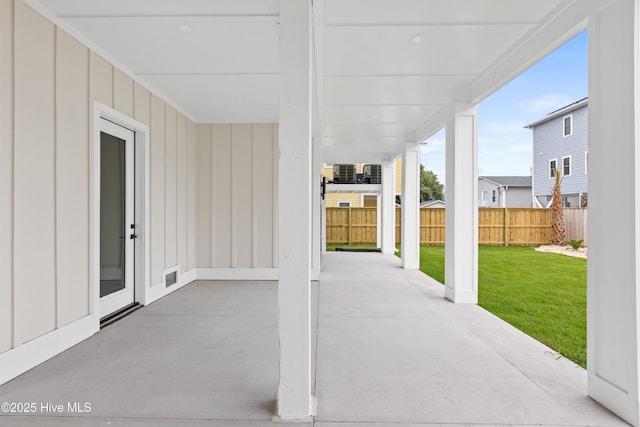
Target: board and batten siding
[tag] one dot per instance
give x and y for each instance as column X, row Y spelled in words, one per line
column 236, row 195
column 48, row 84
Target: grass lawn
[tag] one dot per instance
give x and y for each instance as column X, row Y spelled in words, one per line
column 542, row 294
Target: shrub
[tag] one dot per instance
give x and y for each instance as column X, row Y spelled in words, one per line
column 575, row 244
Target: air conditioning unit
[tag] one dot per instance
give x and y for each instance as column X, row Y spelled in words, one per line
column 372, row 174
column 344, row 174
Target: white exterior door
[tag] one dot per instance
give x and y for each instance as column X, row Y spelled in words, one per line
column 117, row 226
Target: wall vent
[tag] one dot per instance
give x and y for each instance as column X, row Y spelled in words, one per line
column 171, row 278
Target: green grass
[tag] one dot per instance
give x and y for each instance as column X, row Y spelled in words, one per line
column 542, row 294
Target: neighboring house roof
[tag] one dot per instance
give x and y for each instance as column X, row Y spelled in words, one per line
column 560, row 112
column 428, row 203
column 509, row 181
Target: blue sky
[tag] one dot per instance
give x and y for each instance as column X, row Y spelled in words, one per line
column 504, row 146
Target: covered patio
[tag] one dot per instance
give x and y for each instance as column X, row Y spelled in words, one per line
column 219, row 116
column 388, row 349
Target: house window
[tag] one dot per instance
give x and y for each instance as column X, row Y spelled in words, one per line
column 567, row 125
column 343, row 204
column 493, row 196
column 566, row 166
column 553, row 165
column 586, row 162
column 483, row 196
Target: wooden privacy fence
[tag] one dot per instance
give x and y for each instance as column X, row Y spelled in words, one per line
column 496, row 226
column 575, row 221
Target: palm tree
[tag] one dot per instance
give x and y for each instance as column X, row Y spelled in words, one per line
column 557, row 213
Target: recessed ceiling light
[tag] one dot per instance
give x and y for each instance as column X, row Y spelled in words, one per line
column 184, row 28
column 417, row 39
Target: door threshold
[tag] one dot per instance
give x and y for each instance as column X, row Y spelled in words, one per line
column 119, row 314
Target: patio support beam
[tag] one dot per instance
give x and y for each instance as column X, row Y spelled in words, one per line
column 613, row 271
column 410, row 224
column 295, row 216
column 388, row 208
column 461, row 232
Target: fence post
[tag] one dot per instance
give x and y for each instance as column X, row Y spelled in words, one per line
column 506, row 227
column 349, row 226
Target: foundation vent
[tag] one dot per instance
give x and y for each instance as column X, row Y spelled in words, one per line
column 171, row 278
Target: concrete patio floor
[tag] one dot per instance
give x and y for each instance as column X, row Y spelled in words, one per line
column 389, row 351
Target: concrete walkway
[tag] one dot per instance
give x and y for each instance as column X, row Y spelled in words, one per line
column 390, row 351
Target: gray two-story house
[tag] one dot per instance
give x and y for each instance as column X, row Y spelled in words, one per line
column 504, row 191
column 560, row 142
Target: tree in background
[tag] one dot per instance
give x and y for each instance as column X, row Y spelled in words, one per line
column 557, row 213
column 430, row 187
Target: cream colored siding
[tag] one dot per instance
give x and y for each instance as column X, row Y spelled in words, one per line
column 34, row 176
column 6, row 174
column 170, row 188
column 203, row 196
column 263, row 217
column 332, row 199
column 220, row 199
column 157, row 153
column 191, row 194
column 327, row 172
column 72, row 179
column 142, row 104
column 122, row 92
column 181, row 192
column 236, row 198
column 100, row 80
column 46, row 101
column 241, row 186
column 399, row 175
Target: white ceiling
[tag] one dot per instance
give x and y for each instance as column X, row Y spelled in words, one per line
column 377, row 87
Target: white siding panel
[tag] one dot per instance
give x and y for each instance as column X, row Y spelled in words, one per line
column 203, row 196
column 6, row 174
column 242, row 181
column 72, row 178
column 181, row 191
column 263, row 195
column 222, row 197
column 157, row 188
column 34, row 174
column 101, row 80
column 171, row 233
column 191, row 195
column 142, row 104
column 122, row 92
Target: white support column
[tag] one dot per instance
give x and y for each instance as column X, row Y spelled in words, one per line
column 316, row 206
column 461, row 232
column 378, row 220
column 410, row 224
column 388, row 207
column 613, row 271
column 294, row 201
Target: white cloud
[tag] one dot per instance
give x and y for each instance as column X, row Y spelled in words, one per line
column 545, row 104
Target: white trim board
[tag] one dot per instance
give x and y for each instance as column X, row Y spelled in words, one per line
column 19, row 360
